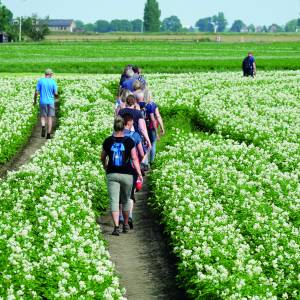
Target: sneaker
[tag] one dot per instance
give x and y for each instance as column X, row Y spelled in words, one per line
column 116, row 231
column 43, row 131
column 121, row 222
column 125, row 228
column 130, row 223
column 48, row 136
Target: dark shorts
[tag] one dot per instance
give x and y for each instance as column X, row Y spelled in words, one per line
column 47, row 110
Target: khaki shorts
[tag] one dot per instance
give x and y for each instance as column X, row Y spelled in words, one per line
column 47, row 110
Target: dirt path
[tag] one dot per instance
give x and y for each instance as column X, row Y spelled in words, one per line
column 142, row 256
column 34, row 143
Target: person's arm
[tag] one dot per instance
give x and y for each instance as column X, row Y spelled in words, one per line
column 153, row 121
column 160, row 121
column 103, row 159
column 140, row 150
column 36, row 93
column 135, row 161
column 143, row 128
column 254, row 67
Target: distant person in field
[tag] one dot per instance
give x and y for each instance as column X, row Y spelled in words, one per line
column 249, row 65
column 47, row 89
column 120, row 161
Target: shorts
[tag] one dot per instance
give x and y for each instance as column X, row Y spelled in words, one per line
column 47, row 110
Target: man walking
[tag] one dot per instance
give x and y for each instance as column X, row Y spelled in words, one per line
column 47, row 89
column 249, row 65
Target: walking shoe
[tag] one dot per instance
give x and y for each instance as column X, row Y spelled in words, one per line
column 125, row 228
column 43, row 131
column 48, row 136
column 130, row 223
column 116, row 231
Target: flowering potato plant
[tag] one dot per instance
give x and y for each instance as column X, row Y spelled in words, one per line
column 50, row 245
column 232, row 216
column 17, row 115
column 264, row 111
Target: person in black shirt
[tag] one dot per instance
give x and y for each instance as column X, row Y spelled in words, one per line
column 120, row 161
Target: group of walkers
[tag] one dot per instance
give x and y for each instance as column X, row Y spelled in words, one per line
column 129, row 152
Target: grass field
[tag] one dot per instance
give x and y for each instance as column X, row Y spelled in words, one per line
column 152, row 56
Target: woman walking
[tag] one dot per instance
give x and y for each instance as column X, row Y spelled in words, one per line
column 118, row 155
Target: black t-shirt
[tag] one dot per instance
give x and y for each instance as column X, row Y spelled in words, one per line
column 109, row 147
column 137, row 114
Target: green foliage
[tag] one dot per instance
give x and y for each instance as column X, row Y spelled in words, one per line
column 35, row 28
column 151, row 16
column 6, row 17
column 137, row 25
column 102, row 26
column 120, row 25
column 205, row 25
column 171, row 24
column 237, row 26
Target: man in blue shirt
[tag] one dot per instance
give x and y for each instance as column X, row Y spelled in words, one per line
column 47, row 89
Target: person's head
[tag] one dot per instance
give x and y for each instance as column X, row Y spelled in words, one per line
column 137, row 85
column 250, row 54
column 128, row 119
column 129, row 73
column 48, row 73
column 130, row 100
column 136, row 70
column 118, row 124
column 124, row 95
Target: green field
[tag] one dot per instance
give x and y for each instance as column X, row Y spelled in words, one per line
column 152, row 56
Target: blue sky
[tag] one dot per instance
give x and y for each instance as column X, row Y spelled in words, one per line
column 258, row 12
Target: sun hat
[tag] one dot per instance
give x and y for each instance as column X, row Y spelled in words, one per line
column 48, row 72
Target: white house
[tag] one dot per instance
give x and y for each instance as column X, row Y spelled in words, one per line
column 61, row 25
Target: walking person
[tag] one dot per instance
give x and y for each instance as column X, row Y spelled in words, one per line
column 153, row 120
column 47, row 89
column 120, row 161
column 249, row 65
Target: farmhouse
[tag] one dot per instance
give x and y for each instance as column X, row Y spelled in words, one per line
column 3, row 37
column 61, row 25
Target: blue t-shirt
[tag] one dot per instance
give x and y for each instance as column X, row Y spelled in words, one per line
column 136, row 116
column 150, row 108
column 128, row 84
column 47, row 87
column 134, row 135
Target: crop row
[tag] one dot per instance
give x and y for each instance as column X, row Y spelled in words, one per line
column 232, row 216
column 264, row 112
column 17, row 115
column 50, row 245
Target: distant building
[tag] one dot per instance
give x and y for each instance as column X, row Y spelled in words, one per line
column 62, row 25
column 3, row 37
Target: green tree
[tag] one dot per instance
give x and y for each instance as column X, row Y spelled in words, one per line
column 6, row 18
column 171, row 24
column 291, row 26
column 79, row 24
column 102, row 26
column 237, row 26
column 137, row 25
column 35, row 28
column 251, row 28
column 220, row 22
column 205, row 25
column 151, row 16
column 89, row 27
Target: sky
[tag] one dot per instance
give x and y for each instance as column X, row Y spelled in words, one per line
column 257, row 12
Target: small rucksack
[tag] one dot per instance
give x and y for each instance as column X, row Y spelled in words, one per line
column 246, row 64
column 118, row 151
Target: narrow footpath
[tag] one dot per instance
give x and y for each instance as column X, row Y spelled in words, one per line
column 142, row 256
column 34, row 143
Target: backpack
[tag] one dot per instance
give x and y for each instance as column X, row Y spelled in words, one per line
column 246, row 64
column 118, row 150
